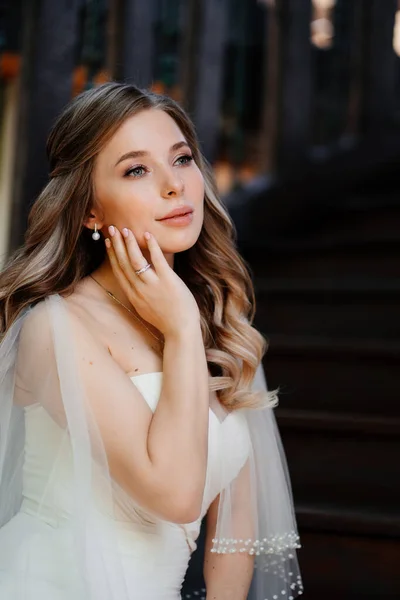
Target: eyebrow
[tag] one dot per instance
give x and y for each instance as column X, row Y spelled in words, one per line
column 142, row 153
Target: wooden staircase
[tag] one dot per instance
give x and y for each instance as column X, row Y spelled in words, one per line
column 326, row 269
column 324, row 251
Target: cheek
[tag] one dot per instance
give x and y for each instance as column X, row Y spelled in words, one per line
column 122, row 206
column 110, row 196
column 196, row 187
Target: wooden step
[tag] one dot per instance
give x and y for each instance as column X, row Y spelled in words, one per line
column 349, row 567
column 335, row 382
column 350, row 470
column 324, row 263
column 332, row 284
column 357, row 425
column 265, row 225
column 307, row 346
column 330, row 315
column 331, row 519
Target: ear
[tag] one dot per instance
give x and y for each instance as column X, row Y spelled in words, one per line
column 94, row 219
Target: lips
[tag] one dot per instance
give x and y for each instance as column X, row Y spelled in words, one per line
column 178, row 212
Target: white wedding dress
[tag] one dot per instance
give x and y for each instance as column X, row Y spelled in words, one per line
column 154, row 553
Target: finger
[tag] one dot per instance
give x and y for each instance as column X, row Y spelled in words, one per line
column 120, row 276
column 138, row 261
column 122, row 254
column 157, row 257
column 135, row 254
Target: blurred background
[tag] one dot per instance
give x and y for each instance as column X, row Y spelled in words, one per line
column 297, row 106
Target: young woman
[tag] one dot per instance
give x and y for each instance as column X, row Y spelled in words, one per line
column 129, row 406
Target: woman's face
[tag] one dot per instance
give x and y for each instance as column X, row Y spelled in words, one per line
column 144, row 172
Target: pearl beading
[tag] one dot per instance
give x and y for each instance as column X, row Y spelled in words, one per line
column 274, row 544
column 274, row 557
column 199, row 595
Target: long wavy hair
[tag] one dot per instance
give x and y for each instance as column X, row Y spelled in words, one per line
column 58, row 250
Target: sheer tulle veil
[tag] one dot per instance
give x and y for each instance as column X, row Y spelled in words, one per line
column 256, row 513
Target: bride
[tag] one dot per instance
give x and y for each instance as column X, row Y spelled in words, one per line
column 132, row 401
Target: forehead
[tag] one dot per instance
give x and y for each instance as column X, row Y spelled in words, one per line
column 151, row 130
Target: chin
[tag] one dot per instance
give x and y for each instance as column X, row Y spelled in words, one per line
column 178, row 241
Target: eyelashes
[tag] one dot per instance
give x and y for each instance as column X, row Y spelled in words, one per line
column 187, row 158
column 134, row 171
column 141, row 170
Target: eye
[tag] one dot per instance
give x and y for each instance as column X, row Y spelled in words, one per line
column 138, row 171
column 186, row 159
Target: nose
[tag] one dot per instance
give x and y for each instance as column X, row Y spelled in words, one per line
column 173, row 186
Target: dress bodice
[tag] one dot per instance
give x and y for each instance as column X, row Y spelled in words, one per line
column 45, row 440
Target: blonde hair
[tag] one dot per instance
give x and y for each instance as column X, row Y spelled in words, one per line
column 58, row 251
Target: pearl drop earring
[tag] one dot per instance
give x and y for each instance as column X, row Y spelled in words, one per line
column 95, row 234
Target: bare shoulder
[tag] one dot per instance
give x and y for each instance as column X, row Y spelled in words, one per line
column 36, row 352
column 57, row 317
column 36, row 325
column 43, row 324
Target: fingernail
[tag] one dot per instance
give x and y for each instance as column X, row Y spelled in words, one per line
column 147, row 235
column 125, row 232
column 107, row 243
column 111, row 230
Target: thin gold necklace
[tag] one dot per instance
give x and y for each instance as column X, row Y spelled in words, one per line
column 138, row 319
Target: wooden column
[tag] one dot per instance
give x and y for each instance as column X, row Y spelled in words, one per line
column 48, row 52
column 7, row 150
column 380, row 64
column 288, row 85
column 270, row 115
column 188, row 62
column 138, row 42
column 295, row 82
column 210, row 73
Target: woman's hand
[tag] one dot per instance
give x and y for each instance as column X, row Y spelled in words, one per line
column 158, row 295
